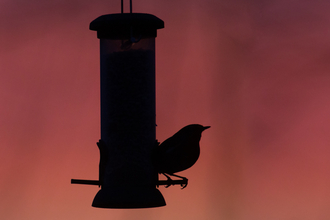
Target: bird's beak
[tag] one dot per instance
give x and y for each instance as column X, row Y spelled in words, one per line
column 206, row 127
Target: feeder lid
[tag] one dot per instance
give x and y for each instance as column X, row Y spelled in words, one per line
column 122, row 25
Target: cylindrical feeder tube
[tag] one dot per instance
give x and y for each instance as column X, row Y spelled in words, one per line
column 128, row 127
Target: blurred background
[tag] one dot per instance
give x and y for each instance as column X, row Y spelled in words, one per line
column 256, row 71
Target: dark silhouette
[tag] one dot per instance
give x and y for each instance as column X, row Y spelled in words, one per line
column 178, row 152
column 103, row 160
column 102, row 166
column 175, row 154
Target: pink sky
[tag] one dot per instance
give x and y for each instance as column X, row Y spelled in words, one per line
column 257, row 72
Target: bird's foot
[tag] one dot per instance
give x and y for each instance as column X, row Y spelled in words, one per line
column 169, row 180
column 183, row 181
column 185, row 184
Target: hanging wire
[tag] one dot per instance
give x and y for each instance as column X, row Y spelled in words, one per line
column 122, row 6
column 130, row 6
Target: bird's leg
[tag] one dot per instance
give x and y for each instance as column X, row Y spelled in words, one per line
column 169, row 180
column 183, row 185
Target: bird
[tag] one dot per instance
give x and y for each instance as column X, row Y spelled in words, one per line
column 179, row 152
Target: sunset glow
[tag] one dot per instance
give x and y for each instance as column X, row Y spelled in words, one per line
column 257, row 72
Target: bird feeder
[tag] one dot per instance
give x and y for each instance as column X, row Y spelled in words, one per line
column 128, row 128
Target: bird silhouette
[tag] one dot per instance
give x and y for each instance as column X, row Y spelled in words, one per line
column 179, row 152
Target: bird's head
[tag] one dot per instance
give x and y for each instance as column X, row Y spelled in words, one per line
column 194, row 129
